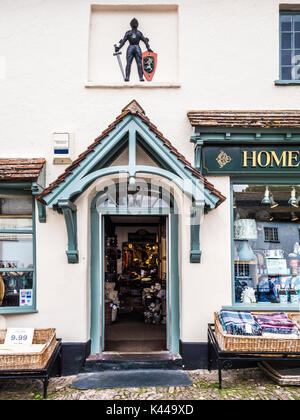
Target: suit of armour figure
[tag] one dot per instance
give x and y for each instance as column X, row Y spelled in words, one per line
column 134, row 51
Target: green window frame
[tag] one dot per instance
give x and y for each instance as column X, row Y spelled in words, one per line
column 21, row 272
column 255, row 306
column 289, row 48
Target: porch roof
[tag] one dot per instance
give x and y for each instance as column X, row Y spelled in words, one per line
column 133, row 108
column 245, row 118
column 21, row 170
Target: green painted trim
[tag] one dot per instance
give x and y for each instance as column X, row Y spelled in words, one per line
column 194, row 188
column 229, row 131
column 287, row 82
column 16, row 186
column 70, row 213
column 195, row 253
column 173, row 281
column 8, row 310
column 266, row 180
column 36, row 190
column 220, row 137
column 263, row 307
column 95, row 330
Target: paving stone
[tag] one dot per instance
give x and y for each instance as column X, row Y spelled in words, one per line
column 238, row 384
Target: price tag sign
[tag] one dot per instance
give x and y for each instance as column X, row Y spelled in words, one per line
column 19, row 336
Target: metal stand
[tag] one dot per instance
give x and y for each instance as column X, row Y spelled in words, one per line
column 42, row 374
column 226, row 359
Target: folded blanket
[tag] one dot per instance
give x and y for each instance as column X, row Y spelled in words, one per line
column 239, row 323
column 276, row 323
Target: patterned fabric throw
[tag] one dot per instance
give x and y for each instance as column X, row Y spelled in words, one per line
column 239, row 323
column 276, row 323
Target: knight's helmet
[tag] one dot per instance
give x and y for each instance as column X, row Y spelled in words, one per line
column 134, row 23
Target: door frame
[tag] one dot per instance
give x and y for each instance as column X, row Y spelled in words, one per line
column 97, row 275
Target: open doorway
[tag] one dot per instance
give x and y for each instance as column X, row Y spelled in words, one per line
column 135, row 266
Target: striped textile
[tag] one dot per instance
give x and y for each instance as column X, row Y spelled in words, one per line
column 276, row 323
column 239, row 323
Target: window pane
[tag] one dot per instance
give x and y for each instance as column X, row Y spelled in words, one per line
column 10, row 205
column 16, row 289
column 286, row 73
column 286, row 41
column 286, row 57
column 297, row 39
column 15, row 224
column 296, row 23
column 15, row 213
column 286, row 23
column 16, row 251
column 266, row 244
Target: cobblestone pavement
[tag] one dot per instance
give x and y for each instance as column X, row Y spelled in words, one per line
column 242, row 384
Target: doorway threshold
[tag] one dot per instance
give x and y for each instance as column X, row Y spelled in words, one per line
column 138, row 356
column 124, row 361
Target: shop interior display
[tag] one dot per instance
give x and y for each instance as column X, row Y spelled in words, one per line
column 12, row 283
column 266, row 244
column 135, row 283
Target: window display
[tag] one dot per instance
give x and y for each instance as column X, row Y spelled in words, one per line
column 16, row 251
column 266, row 244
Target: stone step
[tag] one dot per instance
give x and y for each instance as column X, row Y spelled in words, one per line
column 121, row 361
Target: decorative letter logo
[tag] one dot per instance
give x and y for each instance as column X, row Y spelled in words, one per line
column 223, row 159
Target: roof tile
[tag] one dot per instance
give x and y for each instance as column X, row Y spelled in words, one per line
column 132, row 108
column 12, row 170
column 246, row 119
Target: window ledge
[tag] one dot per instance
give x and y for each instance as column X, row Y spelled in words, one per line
column 263, row 307
column 287, row 82
column 132, row 85
column 17, row 310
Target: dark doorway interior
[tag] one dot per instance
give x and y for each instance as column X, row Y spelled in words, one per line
column 135, row 283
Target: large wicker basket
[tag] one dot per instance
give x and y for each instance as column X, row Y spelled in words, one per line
column 29, row 360
column 240, row 343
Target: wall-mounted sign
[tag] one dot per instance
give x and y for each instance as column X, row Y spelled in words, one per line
column 61, row 148
column 250, row 160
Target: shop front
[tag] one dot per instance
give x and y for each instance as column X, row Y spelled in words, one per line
column 259, row 152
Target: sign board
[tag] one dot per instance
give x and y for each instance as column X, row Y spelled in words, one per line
column 26, row 297
column 250, row 160
column 19, row 336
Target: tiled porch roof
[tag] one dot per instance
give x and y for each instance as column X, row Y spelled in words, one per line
column 20, row 170
column 132, row 108
column 246, row 119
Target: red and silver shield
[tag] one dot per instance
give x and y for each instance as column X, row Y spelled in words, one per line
column 149, row 62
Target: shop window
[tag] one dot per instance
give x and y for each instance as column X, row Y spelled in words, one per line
column 290, row 46
column 17, row 270
column 266, row 270
column 271, row 234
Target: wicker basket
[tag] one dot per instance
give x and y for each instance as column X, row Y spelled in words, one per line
column 29, row 360
column 241, row 343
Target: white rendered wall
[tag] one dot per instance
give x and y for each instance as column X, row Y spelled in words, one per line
column 228, row 59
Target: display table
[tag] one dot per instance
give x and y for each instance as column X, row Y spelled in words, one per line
column 226, row 359
column 42, row 374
